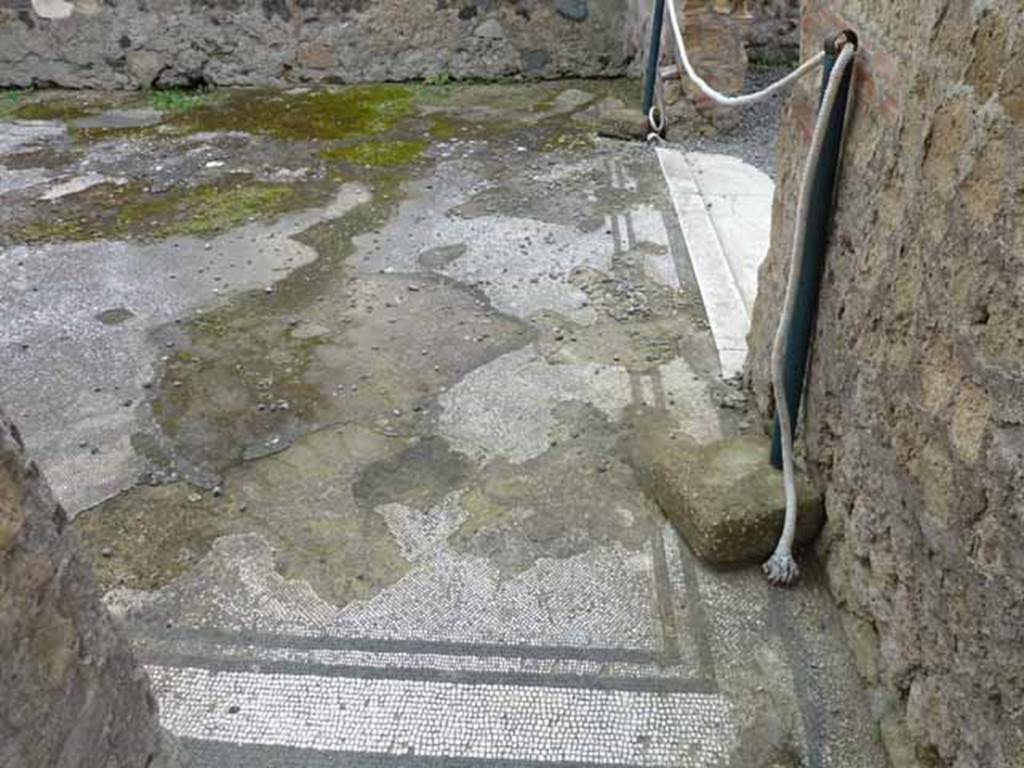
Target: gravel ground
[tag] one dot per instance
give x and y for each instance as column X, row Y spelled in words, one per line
column 754, row 138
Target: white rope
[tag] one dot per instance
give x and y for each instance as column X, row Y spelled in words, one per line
column 720, row 98
column 781, row 568
column 657, row 126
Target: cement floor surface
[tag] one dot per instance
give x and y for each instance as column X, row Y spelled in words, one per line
column 338, row 403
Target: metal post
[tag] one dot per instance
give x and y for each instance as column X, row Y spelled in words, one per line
column 819, row 220
column 653, row 55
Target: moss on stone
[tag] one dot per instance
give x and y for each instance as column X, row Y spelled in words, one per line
column 571, row 139
column 179, row 100
column 53, row 229
column 435, row 92
column 378, row 153
column 53, row 109
column 341, row 113
column 215, row 404
column 205, row 209
column 129, row 211
column 9, row 103
column 63, row 105
column 443, row 127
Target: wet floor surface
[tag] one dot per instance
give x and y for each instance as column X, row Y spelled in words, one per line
column 336, row 386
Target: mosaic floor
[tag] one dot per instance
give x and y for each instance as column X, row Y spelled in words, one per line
column 352, row 474
column 610, row 658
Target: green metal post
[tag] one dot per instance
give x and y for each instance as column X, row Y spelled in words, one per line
column 819, row 220
column 650, row 79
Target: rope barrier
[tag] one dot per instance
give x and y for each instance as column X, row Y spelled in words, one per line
column 711, row 93
column 721, row 98
column 780, row 568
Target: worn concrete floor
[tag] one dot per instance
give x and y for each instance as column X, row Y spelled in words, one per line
column 335, row 386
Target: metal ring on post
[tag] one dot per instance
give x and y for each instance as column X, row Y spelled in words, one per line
column 657, row 126
column 835, row 43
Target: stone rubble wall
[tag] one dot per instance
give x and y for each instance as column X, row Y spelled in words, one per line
column 71, row 693
column 914, row 417
column 722, row 38
column 140, row 43
column 143, row 43
column 773, row 32
column 769, row 29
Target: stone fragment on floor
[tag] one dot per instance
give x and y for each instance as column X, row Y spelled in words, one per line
column 725, row 498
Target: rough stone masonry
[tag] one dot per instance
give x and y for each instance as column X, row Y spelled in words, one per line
column 73, row 696
column 142, row 43
column 160, row 43
column 915, row 408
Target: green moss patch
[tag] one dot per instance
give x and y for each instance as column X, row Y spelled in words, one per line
column 9, row 103
column 60, row 104
column 378, row 153
column 128, row 211
column 571, row 138
column 178, row 100
column 206, row 209
column 343, row 113
column 54, row 230
column 53, row 109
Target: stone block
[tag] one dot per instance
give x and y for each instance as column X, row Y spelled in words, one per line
column 725, row 498
column 613, row 119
